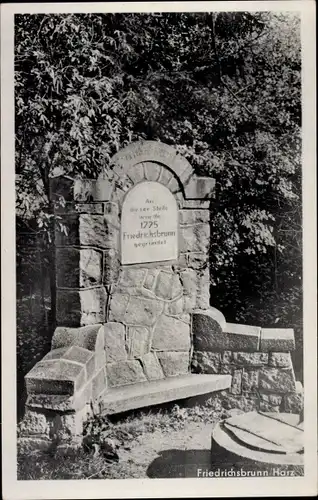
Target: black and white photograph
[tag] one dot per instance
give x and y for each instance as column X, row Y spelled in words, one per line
column 158, row 223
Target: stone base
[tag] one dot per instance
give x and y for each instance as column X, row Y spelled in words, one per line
column 140, row 395
column 236, row 452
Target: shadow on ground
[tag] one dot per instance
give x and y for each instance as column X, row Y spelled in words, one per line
column 201, row 463
column 179, row 463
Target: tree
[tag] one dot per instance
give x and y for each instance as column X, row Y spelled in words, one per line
column 222, row 88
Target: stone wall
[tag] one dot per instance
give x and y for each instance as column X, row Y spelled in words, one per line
column 121, row 324
column 145, row 308
column 258, row 359
column 118, row 324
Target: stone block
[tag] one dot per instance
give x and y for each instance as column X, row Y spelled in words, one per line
column 111, row 219
column 34, row 422
column 161, row 391
column 268, row 407
column 138, row 341
column 190, row 217
column 125, row 372
column 171, row 334
column 150, row 279
column 197, row 260
column 242, row 403
column 152, row 367
column 250, row 380
column 200, row 188
column 226, row 368
column 99, row 383
column 189, row 303
column 81, row 307
column 174, row 363
column 242, row 337
column 175, row 307
column 168, row 286
column 186, row 176
column 55, row 354
column 206, row 362
column 182, row 262
column 236, row 385
column 69, row 425
column 102, row 189
column 207, row 329
column 83, row 397
column 194, row 238
column 118, row 195
column 118, row 306
column 278, row 380
column 174, row 185
column 189, row 281
column 76, row 354
column 55, row 377
column 227, row 357
column 88, row 337
column 181, row 168
column 271, row 399
column 76, row 268
column 123, row 182
column 165, row 176
column 111, row 212
column 185, row 317
column 142, row 311
column 250, row 358
column 29, row 444
column 115, row 342
column 111, row 266
column 203, row 289
column 152, row 170
column 82, row 356
column 87, row 230
column 132, row 277
column 136, row 173
column 277, row 339
column 293, row 403
column 61, row 402
column 280, row 360
column 196, row 204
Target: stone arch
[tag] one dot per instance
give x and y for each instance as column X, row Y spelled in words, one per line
column 156, row 161
column 151, row 152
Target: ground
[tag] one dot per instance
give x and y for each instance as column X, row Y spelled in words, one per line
column 174, row 441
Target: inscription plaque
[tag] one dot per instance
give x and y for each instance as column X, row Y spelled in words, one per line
column 149, row 224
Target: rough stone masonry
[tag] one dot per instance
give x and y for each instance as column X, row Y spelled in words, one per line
column 133, row 303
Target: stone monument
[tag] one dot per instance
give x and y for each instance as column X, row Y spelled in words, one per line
column 135, row 325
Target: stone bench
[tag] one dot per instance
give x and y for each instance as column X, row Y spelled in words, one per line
column 134, row 396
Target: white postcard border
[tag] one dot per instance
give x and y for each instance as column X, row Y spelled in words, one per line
column 156, row 488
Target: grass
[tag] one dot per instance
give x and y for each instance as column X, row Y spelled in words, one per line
column 141, row 436
column 125, row 429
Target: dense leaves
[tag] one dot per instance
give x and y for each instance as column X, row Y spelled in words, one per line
column 224, row 89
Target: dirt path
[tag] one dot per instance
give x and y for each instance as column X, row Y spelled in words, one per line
column 169, row 454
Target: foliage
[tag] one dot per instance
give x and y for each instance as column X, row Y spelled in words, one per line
column 224, row 89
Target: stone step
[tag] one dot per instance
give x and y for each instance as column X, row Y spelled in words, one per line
column 130, row 397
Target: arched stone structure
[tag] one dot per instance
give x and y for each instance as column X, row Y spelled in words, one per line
column 155, row 161
column 128, row 322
